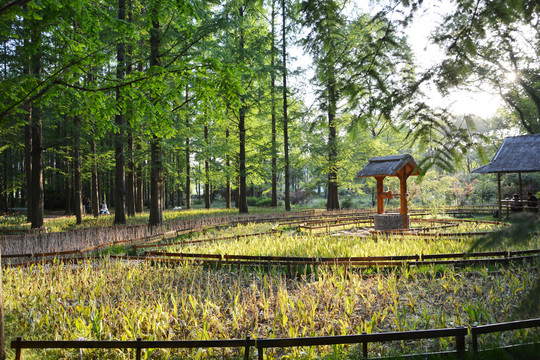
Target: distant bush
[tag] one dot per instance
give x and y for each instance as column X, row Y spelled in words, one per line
column 262, row 201
column 347, row 203
column 267, row 202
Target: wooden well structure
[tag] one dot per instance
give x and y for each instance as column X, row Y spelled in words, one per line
column 400, row 166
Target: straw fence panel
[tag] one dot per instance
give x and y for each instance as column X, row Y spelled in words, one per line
column 31, row 243
column 39, row 243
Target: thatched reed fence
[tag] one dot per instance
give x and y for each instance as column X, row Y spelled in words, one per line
column 31, row 244
column 80, row 240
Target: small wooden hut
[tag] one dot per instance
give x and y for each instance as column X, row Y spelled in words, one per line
column 400, row 166
column 517, row 154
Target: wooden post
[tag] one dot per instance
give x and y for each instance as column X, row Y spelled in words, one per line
column 260, row 351
column 18, row 349
column 500, row 194
column 365, row 347
column 246, row 349
column 139, row 349
column 380, row 200
column 474, row 336
column 460, row 345
column 520, row 188
column 403, row 196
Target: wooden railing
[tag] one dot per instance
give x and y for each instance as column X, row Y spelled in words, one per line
column 507, row 326
column 458, row 333
column 362, row 261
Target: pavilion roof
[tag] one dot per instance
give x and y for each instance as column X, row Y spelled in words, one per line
column 516, row 154
column 390, row 166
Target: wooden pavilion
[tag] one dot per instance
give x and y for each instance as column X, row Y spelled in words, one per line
column 400, row 166
column 517, row 154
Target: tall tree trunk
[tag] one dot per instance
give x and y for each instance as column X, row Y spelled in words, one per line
column 156, row 170
column 206, row 171
column 130, row 174
column 156, row 182
column 228, row 185
column 36, row 189
column 139, row 196
column 188, row 162
column 179, row 191
column 67, row 187
column 37, row 176
column 285, row 118
column 242, row 188
column 77, row 185
column 27, row 70
column 94, row 186
column 28, row 163
column 242, row 201
column 333, row 199
column 273, row 96
column 120, row 176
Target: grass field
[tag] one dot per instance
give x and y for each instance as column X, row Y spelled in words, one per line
column 115, row 299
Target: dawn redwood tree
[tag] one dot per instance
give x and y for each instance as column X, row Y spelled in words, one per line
column 34, row 134
column 77, row 169
column 156, row 170
column 227, row 169
column 246, row 63
column 242, row 186
column 187, row 188
column 363, row 71
column 130, row 172
column 324, row 19
column 285, row 109
column 120, row 179
column 273, row 104
column 206, row 167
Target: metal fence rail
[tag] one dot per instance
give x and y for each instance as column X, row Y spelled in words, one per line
column 459, row 333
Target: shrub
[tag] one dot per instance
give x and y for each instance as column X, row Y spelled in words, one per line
column 262, row 201
column 347, row 203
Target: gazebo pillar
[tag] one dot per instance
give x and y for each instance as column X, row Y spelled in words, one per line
column 380, row 199
column 404, row 211
column 500, row 194
column 520, row 188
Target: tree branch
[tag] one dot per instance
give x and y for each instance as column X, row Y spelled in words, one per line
column 7, row 7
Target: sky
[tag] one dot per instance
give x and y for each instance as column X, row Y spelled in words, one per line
column 461, row 102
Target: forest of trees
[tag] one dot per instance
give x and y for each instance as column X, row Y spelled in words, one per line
column 141, row 103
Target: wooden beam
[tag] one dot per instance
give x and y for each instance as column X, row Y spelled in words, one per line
column 520, row 188
column 403, row 192
column 500, row 196
column 380, row 200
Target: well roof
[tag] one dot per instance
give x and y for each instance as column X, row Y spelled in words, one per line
column 516, row 154
column 389, row 166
